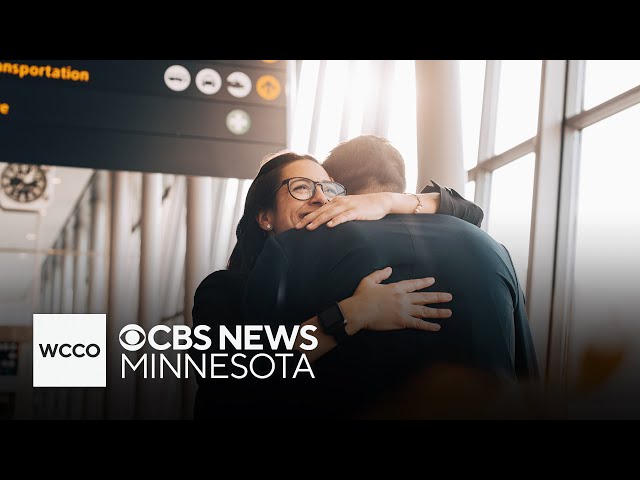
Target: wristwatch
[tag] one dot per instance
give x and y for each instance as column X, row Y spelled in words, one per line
column 333, row 323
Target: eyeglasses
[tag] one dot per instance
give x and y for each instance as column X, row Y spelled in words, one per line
column 302, row 188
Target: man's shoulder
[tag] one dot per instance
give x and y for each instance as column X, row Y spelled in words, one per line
column 366, row 229
column 322, row 234
column 324, row 247
column 437, row 219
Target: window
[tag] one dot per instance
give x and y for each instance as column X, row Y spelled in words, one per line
column 510, row 210
column 331, row 106
column 349, row 95
column 402, row 122
column 518, row 100
column 470, row 190
column 604, row 79
column 305, row 100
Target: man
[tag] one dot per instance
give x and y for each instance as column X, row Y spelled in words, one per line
column 301, row 273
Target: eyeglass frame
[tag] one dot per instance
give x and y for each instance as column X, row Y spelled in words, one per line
column 287, row 182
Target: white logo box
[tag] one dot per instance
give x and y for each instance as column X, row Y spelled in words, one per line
column 80, row 345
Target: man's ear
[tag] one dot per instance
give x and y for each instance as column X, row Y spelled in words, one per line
column 265, row 220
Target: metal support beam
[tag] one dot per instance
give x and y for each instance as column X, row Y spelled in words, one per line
column 486, row 141
column 557, row 357
column 514, row 153
column 605, row 110
column 544, row 215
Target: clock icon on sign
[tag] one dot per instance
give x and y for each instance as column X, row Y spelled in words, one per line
column 23, row 183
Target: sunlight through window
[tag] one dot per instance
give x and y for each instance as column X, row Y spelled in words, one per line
column 510, row 214
column 517, row 102
column 605, row 79
column 304, row 105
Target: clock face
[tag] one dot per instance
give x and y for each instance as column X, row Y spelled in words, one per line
column 23, row 183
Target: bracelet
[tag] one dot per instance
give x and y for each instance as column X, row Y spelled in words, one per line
column 419, row 206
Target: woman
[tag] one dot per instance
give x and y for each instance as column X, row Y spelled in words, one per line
column 270, row 209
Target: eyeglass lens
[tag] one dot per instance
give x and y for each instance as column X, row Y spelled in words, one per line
column 303, row 188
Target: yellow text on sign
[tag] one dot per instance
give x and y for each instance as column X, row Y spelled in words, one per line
column 4, row 109
column 268, row 87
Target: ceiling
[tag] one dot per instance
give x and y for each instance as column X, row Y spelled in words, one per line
column 23, row 233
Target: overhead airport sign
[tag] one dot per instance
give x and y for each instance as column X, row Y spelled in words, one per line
column 197, row 117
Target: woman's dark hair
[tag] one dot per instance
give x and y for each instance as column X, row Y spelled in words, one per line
column 260, row 197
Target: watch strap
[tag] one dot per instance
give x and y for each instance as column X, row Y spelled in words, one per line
column 333, row 323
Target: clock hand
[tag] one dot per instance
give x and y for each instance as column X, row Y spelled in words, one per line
column 29, row 176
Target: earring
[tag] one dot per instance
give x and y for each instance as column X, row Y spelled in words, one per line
column 268, row 226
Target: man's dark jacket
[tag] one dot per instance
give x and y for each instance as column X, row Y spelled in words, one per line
column 300, row 273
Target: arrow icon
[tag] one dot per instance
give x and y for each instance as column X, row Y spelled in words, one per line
column 268, row 87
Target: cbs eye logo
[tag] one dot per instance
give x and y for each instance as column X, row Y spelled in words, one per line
column 132, row 337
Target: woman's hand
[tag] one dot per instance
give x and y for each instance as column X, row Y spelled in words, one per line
column 392, row 306
column 370, row 206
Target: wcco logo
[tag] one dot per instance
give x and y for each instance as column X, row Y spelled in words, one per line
column 69, row 350
column 78, row 350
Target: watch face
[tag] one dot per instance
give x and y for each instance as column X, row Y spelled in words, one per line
column 332, row 319
column 22, row 182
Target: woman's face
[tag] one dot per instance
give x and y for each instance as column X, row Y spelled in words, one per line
column 289, row 211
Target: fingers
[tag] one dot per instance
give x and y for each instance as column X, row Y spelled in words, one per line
column 320, row 216
column 406, row 286
column 310, row 217
column 335, row 204
column 379, row 275
column 418, row 324
column 342, row 218
column 420, row 312
column 326, row 216
column 422, row 298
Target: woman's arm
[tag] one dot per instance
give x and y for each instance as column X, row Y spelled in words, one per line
column 374, row 206
column 377, row 306
column 373, row 306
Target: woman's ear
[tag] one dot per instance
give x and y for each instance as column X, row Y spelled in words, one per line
column 265, row 220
